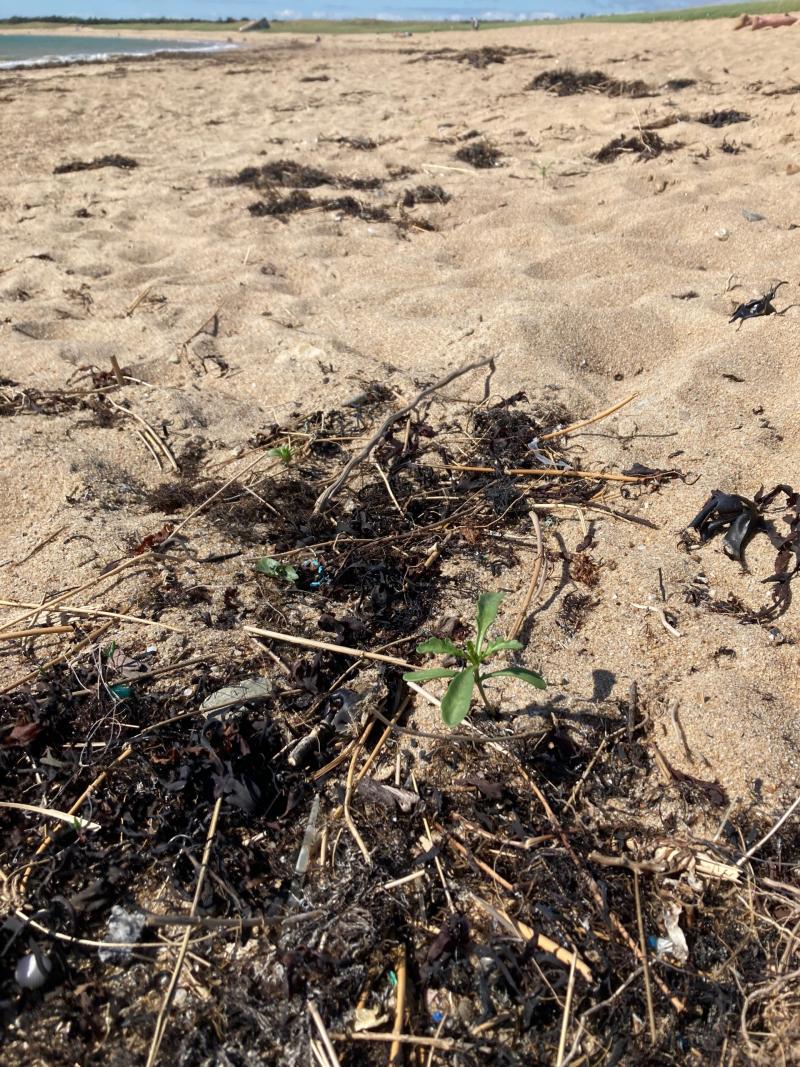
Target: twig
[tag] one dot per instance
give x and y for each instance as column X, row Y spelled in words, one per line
column 93, row 636
column 323, row 1033
column 752, row 851
column 324, row 499
column 662, row 618
column 35, row 631
column 385, row 481
column 540, row 941
column 562, row 1041
column 421, row 873
column 69, row 609
column 445, row 1044
column 161, row 1022
column 550, row 472
column 759, row 994
column 161, row 445
column 142, row 296
column 201, row 507
column 400, row 1006
column 468, row 855
column 48, row 839
column 61, row 597
column 348, row 792
column 146, row 442
column 678, row 727
column 587, row 422
column 52, row 813
column 117, row 371
column 534, row 584
column 325, row 646
column 648, row 992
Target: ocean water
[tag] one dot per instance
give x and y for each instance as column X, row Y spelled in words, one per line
column 29, row 50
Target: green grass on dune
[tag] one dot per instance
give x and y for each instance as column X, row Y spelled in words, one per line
column 340, row 26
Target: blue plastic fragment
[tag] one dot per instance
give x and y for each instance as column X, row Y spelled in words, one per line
column 120, row 692
column 437, row 1016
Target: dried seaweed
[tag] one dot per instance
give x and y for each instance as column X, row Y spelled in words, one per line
column 293, row 175
column 121, row 162
column 425, row 194
column 568, row 82
column 496, row 862
column 479, row 58
column 644, row 145
column 727, row 117
column 479, row 154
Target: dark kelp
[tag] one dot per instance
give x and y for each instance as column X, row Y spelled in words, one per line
column 121, row 162
column 567, row 82
column 644, row 145
column 754, row 309
column 717, row 119
column 727, row 511
column 479, row 154
column 425, row 194
column 290, row 174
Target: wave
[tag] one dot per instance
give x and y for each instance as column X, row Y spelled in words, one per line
column 105, row 57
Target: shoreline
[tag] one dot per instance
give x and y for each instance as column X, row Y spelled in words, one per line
column 128, row 34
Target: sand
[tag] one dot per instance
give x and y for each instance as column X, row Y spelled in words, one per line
column 569, row 272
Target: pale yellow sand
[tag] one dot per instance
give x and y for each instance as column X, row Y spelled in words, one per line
column 564, row 269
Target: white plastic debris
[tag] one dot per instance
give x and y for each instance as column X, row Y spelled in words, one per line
column 33, row 970
column 124, row 928
column 721, row 234
column 675, row 943
column 249, row 690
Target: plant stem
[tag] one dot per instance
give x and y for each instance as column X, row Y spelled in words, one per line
column 482, row 692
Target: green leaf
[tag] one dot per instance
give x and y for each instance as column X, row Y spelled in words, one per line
column 524, row 675
column 455, row 705
column 423, row 676
column 501, row 646
column 275, row 569
column 442, row 647
column 488, row 603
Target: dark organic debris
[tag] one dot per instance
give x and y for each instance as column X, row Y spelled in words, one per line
column 475, row 57
column 680, row 83
column 743, row 518
column 754, row 309
column 122, row 162
column 293, row 175
column 568, row 82
column 727, row 511
column 298, row 200
column 480, row 154
column 530, row 886
column 287, row 205
column 315, row 78
column 645, row 145
column 361, row 144
column 718, row 119
column 425, row 194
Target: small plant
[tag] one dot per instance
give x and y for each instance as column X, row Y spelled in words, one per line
column 285, row 453
column 457, row 699
column 275, row 569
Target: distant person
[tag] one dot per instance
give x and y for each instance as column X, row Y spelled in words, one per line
column 476, row 24
column 764, row 22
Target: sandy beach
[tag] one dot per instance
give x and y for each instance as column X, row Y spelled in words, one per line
column 569, row 271
column 586, row 282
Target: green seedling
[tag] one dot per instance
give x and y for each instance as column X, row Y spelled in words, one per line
column 284, row 453
column 474, row 655
column 275, row 569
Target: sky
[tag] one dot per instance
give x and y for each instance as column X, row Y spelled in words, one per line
column 287, row 9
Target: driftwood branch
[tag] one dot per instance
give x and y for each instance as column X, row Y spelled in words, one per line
column 328, row 495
